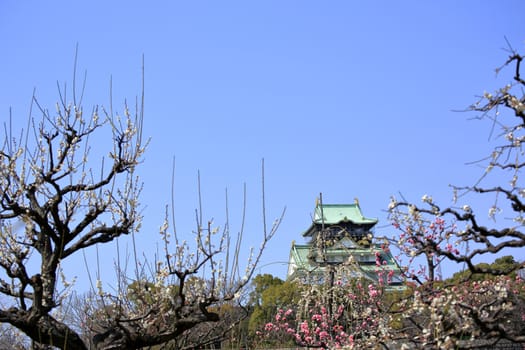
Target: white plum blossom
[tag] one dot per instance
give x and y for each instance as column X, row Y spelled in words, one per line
column 426, row 199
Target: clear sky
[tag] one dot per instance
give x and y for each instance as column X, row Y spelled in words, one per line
column 348, row 98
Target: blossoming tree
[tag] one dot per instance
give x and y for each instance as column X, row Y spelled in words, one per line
column 342, row 309
column 469, row 312
column 55, row 202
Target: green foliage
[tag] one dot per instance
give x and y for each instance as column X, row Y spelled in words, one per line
column 260, row 283
column 269, row 295
column 505, row 265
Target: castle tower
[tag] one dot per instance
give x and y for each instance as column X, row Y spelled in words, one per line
column 340, row 234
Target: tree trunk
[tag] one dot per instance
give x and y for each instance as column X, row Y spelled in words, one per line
column 43, row 330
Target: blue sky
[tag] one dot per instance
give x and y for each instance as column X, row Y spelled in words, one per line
column 347, row 98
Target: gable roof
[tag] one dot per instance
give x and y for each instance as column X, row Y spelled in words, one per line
column 332, row 214
column 336, row 213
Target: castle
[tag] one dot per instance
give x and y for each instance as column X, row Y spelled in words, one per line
column 341, row 236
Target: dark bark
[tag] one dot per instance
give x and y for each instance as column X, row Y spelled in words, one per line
column 130, row 335
column 44, row 329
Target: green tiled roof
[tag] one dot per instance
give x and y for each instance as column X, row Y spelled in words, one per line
column 301, row 264
column 333, row 214
column 336, row 213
